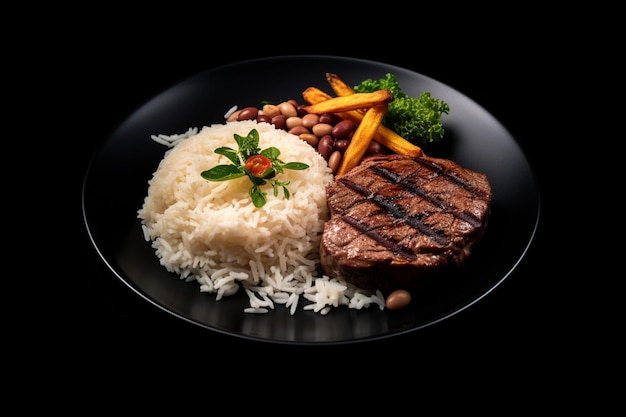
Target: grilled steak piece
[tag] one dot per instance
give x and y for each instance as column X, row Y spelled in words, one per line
column 399, row 222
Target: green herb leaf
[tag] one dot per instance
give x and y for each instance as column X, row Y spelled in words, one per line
column 257, row 196
column 270, row 173
column 296, row 165
column 222, row 173
column 229, row 153
column 271, row 152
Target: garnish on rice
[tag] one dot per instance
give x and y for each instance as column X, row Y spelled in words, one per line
column 261, row 166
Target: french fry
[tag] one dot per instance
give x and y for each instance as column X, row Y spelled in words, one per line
column 362, row 137
column 351, row 102
column 385, row 136
column 338, row 85
column 314, row 95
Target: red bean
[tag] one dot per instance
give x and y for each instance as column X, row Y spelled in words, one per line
column 374, row 148
column 328, row 118
column 280, row 121
column 300, row 110
column 341, row 145
column 343, row 129
column 263, row 118
column 248, row 113
column 326, row 146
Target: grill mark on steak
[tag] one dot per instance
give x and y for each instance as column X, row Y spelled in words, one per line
column 396, row 211
column 434, row 200
column 393, row 177
column 450, row 175
column 392, row 246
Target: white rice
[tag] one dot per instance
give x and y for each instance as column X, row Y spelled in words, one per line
column 173, row 140
column 211, row 232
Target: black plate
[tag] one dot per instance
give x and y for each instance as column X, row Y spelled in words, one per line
column 117, row 182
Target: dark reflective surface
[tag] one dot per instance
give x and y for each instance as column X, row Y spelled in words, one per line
column 116, row 183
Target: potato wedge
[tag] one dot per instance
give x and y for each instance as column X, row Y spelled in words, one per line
column 362, row 137
column 351, row 102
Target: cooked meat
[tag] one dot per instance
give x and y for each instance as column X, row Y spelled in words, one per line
column 399, row 222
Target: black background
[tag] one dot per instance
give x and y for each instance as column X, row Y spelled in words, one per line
column 110, row 69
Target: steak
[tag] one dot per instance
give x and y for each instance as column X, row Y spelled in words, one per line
column 398, row 222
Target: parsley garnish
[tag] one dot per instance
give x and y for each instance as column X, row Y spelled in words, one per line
column 416, row 119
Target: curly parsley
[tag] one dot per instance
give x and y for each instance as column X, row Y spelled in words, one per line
column 417, row 120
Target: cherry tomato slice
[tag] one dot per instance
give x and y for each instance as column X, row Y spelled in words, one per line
column 258, row 164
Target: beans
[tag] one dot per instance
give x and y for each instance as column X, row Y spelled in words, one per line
column 329, row 119
column 263, row 118
column 325, row 146
column 298, row 130
column 341, row 145
column 343, row 129
column 398, row 299
column 288, row 109
column 294, row 121
column 334, row 160
column 310, row 138
column 270, row 110
column 280, row 121
column 248, row 113
column 322, row 129
column 310, row 120
column 374, row 148
column 328, row 133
